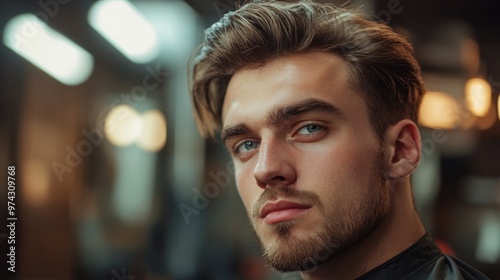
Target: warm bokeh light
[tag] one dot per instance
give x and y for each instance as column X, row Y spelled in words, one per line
column 478, row 96
column 439, row 111
column 498, row 107
column 36, row 181
column 125, row 28
column 47, row 49
column 154, row 131
column 123, row 125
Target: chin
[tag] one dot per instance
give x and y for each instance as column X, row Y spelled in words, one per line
column 287, row 248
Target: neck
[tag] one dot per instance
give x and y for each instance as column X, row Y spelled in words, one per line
column 400, row 229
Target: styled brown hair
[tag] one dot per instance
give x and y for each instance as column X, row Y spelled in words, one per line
column 381, row 63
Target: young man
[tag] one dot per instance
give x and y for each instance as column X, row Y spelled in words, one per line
column 318, row 106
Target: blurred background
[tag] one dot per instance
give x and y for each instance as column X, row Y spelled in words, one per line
column 114, row 182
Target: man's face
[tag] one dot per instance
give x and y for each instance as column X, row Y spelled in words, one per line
column 308, row 165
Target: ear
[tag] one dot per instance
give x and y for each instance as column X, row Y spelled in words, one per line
column 402, row 146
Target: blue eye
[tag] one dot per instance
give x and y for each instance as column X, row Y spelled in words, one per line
column 246, row 146
column 310, row 129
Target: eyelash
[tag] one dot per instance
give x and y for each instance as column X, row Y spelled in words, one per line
column 237, row 147
column 320, row 127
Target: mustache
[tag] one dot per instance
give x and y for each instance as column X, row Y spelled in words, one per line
column 287, row 193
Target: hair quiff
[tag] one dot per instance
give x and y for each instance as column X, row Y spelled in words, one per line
column 381, row 63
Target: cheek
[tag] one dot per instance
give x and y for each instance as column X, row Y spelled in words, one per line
column 337, row 160
column 338, row 171
column 247, row 188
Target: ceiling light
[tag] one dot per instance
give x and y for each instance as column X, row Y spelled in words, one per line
column 47, row 49
column 119, row 22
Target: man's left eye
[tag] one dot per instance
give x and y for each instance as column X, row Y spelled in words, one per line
column 310, row 129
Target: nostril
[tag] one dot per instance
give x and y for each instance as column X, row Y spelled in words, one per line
column 279, row 178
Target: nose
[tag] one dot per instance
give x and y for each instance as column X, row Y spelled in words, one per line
column 274, row 166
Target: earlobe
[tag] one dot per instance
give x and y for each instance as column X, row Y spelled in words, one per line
column 403, row 148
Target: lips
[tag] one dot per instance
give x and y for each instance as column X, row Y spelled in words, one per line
column 280, row 211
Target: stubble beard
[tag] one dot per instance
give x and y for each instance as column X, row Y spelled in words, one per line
column 335, row 233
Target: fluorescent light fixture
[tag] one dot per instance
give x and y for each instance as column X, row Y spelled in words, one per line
column 47, row 49
column 179, row 32
column 125, row 28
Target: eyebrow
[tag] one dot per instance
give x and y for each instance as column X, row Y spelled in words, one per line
column 280, row 114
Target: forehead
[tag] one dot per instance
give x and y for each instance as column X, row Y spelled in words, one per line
column 286, row 80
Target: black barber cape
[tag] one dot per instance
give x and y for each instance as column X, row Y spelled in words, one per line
column 423, row 261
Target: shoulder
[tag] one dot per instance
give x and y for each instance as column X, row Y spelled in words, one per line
column 424, row 261
column 449, row 268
